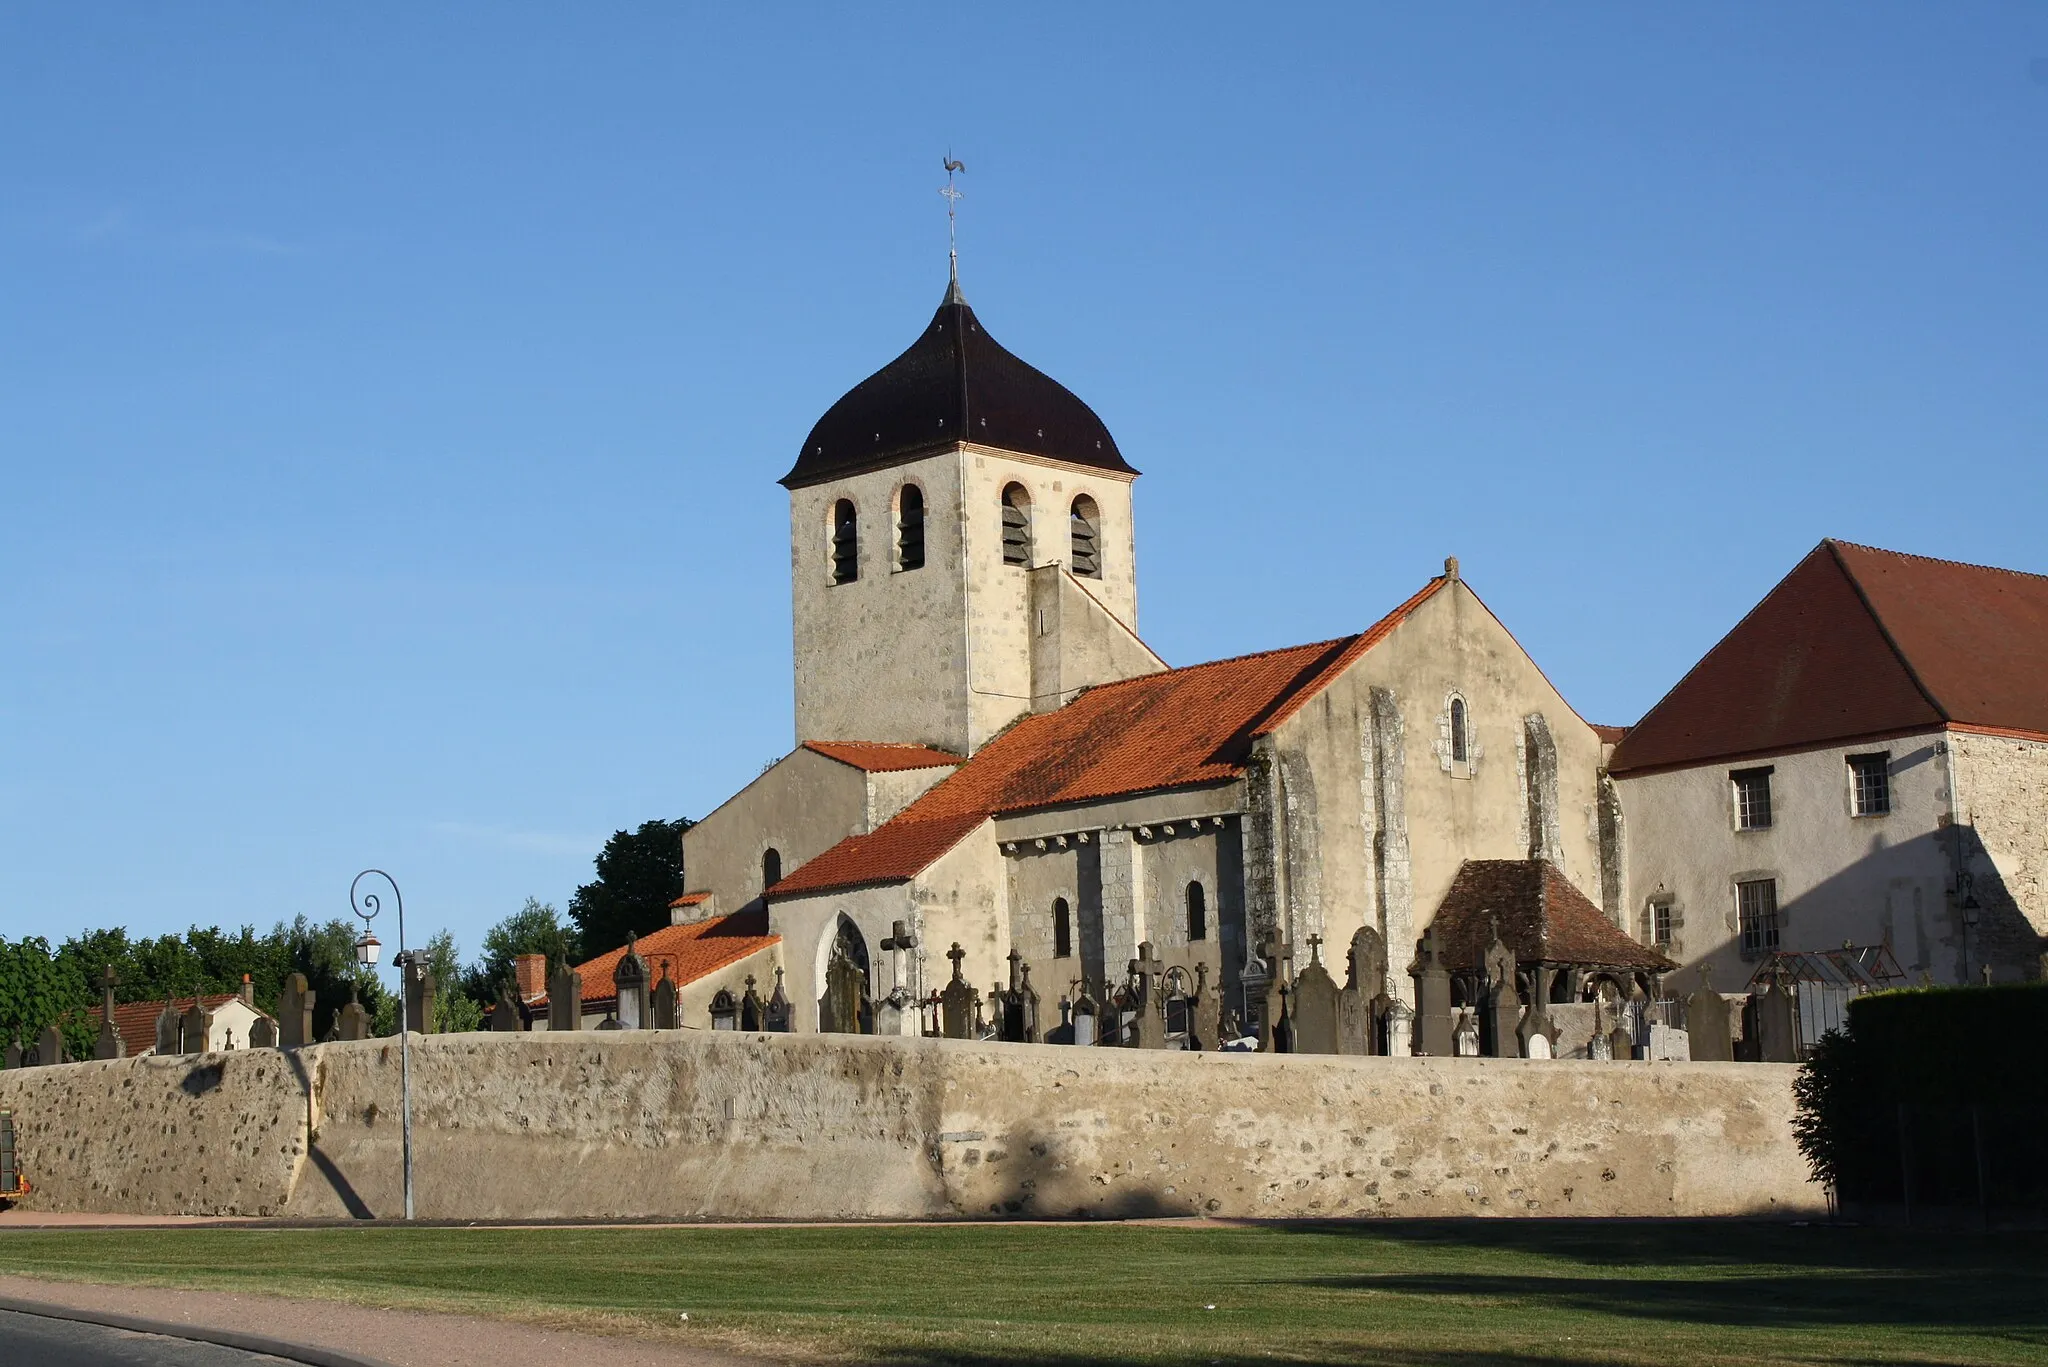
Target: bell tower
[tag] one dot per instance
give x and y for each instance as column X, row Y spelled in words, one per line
column 948, row 516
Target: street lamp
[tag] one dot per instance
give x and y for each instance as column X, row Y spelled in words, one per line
column 366, row 905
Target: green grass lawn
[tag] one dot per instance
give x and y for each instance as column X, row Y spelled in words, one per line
column 1521, row 1292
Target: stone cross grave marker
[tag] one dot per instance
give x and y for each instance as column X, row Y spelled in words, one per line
column 664, row 1011
column 959, row 1003
column 753, row 1011
column 419, row 985
column 630, row 980
column 109, row 1044
column 1432, row 998
column 1146, row 973
column 1315, row 1005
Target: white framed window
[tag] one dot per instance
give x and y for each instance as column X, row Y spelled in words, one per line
column 1457, row 750
column 1663, row 922
column 1752, row 792
column 1870, row 785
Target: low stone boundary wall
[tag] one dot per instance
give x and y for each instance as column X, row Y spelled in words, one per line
column 694, row 1124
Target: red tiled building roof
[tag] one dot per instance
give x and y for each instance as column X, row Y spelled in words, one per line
column 689, row 952
column 135, row 1022
column 1859, row 643
column 1175, row 729
column 1542, row 918
column 883, row 757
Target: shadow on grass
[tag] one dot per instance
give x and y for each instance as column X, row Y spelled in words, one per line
column 1379, row 1357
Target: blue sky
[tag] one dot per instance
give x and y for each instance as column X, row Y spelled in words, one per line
column 391, row 397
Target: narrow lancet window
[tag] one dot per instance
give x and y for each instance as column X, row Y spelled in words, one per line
column 910, row 528
column 845, row 543
column 771, row 867
column 1198, row 913
column 1062, row 929
column 1085, row 535
column 1016, row 525
column 1461, row 749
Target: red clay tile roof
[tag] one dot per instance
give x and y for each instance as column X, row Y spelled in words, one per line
column 1542, row 918
column 1611, row 735
column 1175, row 729
column 689, row 952
column 691, row 899
column 883, row 757
column 135, row 1022
column 1857, row 642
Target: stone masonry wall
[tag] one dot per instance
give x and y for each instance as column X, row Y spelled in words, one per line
column 2003, row 783
column 698, row 1125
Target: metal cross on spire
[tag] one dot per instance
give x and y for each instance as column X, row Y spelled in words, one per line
column 953, row 195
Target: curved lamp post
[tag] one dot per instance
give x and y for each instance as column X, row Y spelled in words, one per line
column 366, row 905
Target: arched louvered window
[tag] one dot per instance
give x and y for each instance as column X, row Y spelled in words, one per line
column 1198, row 913
column 771, row 867
column 845, row 542
column 1461, row 745
column 1062, row 929
column 910, row 528
column 1085, row 532
column 1016, row 525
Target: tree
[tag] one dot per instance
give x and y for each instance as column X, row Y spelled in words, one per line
column 638, row 874
column 454, row 1011
column 535, row 928
column 326, row 954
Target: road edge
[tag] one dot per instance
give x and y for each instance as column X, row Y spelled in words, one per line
column 309, row 1354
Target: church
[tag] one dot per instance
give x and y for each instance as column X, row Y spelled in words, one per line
column 999, row 789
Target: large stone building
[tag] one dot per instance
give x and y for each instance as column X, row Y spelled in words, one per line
column 1862, row 760
column 989, row 755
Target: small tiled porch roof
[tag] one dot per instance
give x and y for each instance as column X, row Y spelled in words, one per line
column 1542, row 918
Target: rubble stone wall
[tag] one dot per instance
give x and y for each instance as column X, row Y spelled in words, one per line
column 696, row 1125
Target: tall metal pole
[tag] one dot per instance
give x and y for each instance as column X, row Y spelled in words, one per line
column 357, row 903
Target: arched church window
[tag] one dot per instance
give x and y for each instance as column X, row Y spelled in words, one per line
column 910, row 528
column 1016, row 525
column 1198, row 913
column 771, row 867
column 1062, row 929
column 1085, row 534
column 845, row 542
column 1461, row 745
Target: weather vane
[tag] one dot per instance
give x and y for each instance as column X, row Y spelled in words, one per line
column 952, row 194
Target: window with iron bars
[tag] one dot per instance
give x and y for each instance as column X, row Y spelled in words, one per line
column 1752, row 799
column 1756, row 913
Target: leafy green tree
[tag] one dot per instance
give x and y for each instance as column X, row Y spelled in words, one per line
column 37, row 991
column 454, row 1011
column 326, row 954
column 638, row 874
column 535, row 928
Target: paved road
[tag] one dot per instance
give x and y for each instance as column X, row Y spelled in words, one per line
column 32, row 1341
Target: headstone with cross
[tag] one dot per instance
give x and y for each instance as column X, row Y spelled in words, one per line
column 109, row 1044
column 1502, row 1013
column 752, row 1009
column 294, row 1012
column 959, row 1003
column 897, row 945
column 1279, row 957
column 1432, row 998
column 776, row 1015
column 1017, row 1004
column 664, row 1012
column 1315, row 1005
column 352, row 1021
column 1145, row 1000
column 1536, row 1024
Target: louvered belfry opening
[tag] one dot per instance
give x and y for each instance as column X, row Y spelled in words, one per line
column 845, row 543
column 1087, row 557
column 1016, row 525
column 910, row 528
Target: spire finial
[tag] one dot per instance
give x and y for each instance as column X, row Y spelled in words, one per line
column 953, row 196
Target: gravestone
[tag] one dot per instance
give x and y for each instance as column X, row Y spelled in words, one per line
column 1777, row 1022
column 1399, row 1021
column 959, row 1003
column 263, row 1034
column 775, row 1016
column 506, row 1014
column 1204, row 1013
column 294, row 1012
column 1017, row 1005
column 1668, row 1044
column 12, row 1057
column 109, row 1044
column 1503, row 1000
column 630, row 980
column 1087, row 1018
column 1536, row 1023
column 565, row 998
column 419, row 995
column 1706, row 1023
column 1538, row 1046
column 167, row 1030
column 1432, row 998
column 1600, row 1048
column 1281, row 1029
column 352, row 1022
column 192, row 1029
column 1621, row 1042
column 1144, row 1000
column 1063, row 1033
column 50, row 1048
column 753, row 1011
column 1363, row 1001
column 725, row 1010
column 1279, row 960
column 1315, row 1005
column 664, row 1012
column 1465, row 1042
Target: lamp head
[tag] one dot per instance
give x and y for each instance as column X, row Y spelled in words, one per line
column 366, row 950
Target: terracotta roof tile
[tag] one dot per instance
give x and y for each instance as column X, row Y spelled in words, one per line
column 135, row 1022
column 1858, row 642
column 1542, row 918
column 689, row 952
column 883, row 757
column 691, row 899
column 1611, row 735
column 1175, row 729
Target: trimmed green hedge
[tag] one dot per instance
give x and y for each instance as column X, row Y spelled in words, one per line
column 1924, row 1082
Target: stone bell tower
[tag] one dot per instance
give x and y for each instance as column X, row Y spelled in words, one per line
column 961, row 547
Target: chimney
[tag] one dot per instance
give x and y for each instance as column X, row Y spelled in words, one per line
column 248, row 992
column 531, row 973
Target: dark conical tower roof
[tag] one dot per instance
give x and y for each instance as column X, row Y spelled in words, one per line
column 954, row 384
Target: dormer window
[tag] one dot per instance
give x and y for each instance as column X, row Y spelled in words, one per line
column 1016, row 525
column 845, row 542
column 1085, row 536
column 910, row 528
